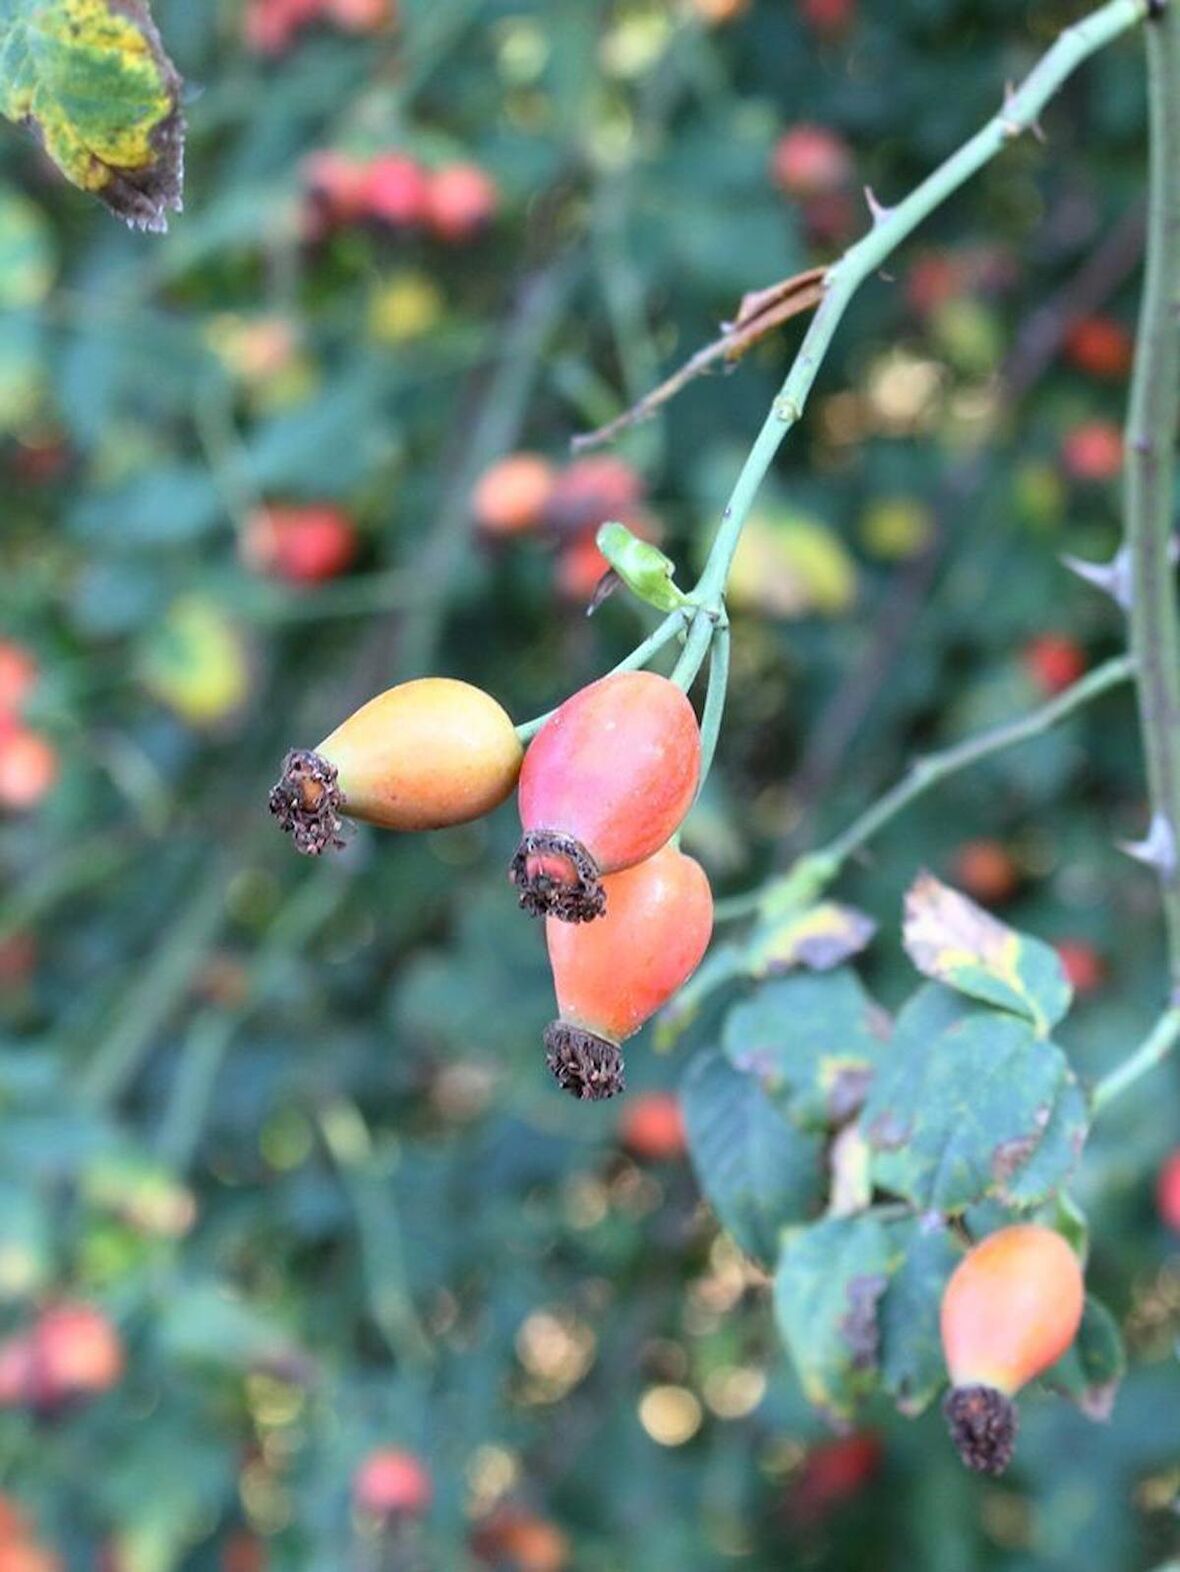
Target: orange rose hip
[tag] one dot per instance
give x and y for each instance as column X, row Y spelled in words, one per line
column 421, row 756
column 1012, row 1307
column 613, row 975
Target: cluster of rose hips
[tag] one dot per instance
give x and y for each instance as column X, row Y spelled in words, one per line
column 454, row 203
column 526, row 494
column 28, row 760
column 603, row 790
column 271, row 25
column 71, row 1353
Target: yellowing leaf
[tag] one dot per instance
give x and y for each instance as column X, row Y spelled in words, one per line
column 197, row 663
column 956, row 942
column 91, row 80
column 818, row 939
column 791, row 566
column 26, row 256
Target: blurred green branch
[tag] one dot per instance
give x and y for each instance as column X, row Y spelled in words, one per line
column 811, row 874
column 1150, row 481
column 1154, row 1048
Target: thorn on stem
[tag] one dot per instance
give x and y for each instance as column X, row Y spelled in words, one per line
column 1113, row 578
column 877, row 210
column 1157, row 850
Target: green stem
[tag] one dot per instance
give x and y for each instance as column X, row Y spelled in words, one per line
column 696, row 649
column 927, row 772
column 1017, row 114
column 1153, row 1050
column 823, row 865
column 714, row 710
column 1150, row 479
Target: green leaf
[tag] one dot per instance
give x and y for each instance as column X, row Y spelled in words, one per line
column 913, row 1368
column 969, row 1103
column 811, row 1041
column 1090, row 1372
column 91, row 80
column 827, row 1294
column 758, row 1172
column 956, row 942
column 643, row 568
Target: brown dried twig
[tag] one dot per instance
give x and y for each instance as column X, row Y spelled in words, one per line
column 759, row 313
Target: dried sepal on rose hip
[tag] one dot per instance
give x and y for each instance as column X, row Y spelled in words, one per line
column 604, row 785
column 421, row 756
column 612, row 976
column 1012, row 1307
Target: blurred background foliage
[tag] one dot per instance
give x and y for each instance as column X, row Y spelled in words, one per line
column 286, row 1125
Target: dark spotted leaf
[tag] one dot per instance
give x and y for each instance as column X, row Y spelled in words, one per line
column 827, row 1294
column 968, row 1103
column 90, row 79
column 811, row 1041
column 956, row 942
column 913, row 1370
column 758, row 1172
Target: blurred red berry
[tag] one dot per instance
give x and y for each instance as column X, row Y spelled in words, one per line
column 827, row 17
column 337, row 187
column 18, row 958
column 1093, row 451
column 717, row 13
column 933, row 279
column 461, row 201
column 512, row 495
column 592, row 490
column 1101, row 347
column 1082, row 964
column 651, row 1127
column 1168, row 1191
column 833, row 1473
column 303, row 545
column 1054, row 661
column 361, row 16
column 397, row 190
column 244, row 1552
column 520, row 1541
column 77, row 1352
column 986, row 871
column 28, row 767
column 392, row 1483
column 809, row 161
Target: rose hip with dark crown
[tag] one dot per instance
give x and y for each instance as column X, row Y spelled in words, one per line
column 606, row 782
column 613, row 975
column 421, row 756
column 1012, row 1307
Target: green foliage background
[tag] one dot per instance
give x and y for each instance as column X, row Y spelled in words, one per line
column 343, row 1061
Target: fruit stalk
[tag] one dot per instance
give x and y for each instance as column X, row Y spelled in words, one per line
column 1151, row 466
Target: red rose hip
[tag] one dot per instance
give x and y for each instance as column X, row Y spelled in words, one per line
column 605, row 784
column 1012, row 1307
column 612, row 976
